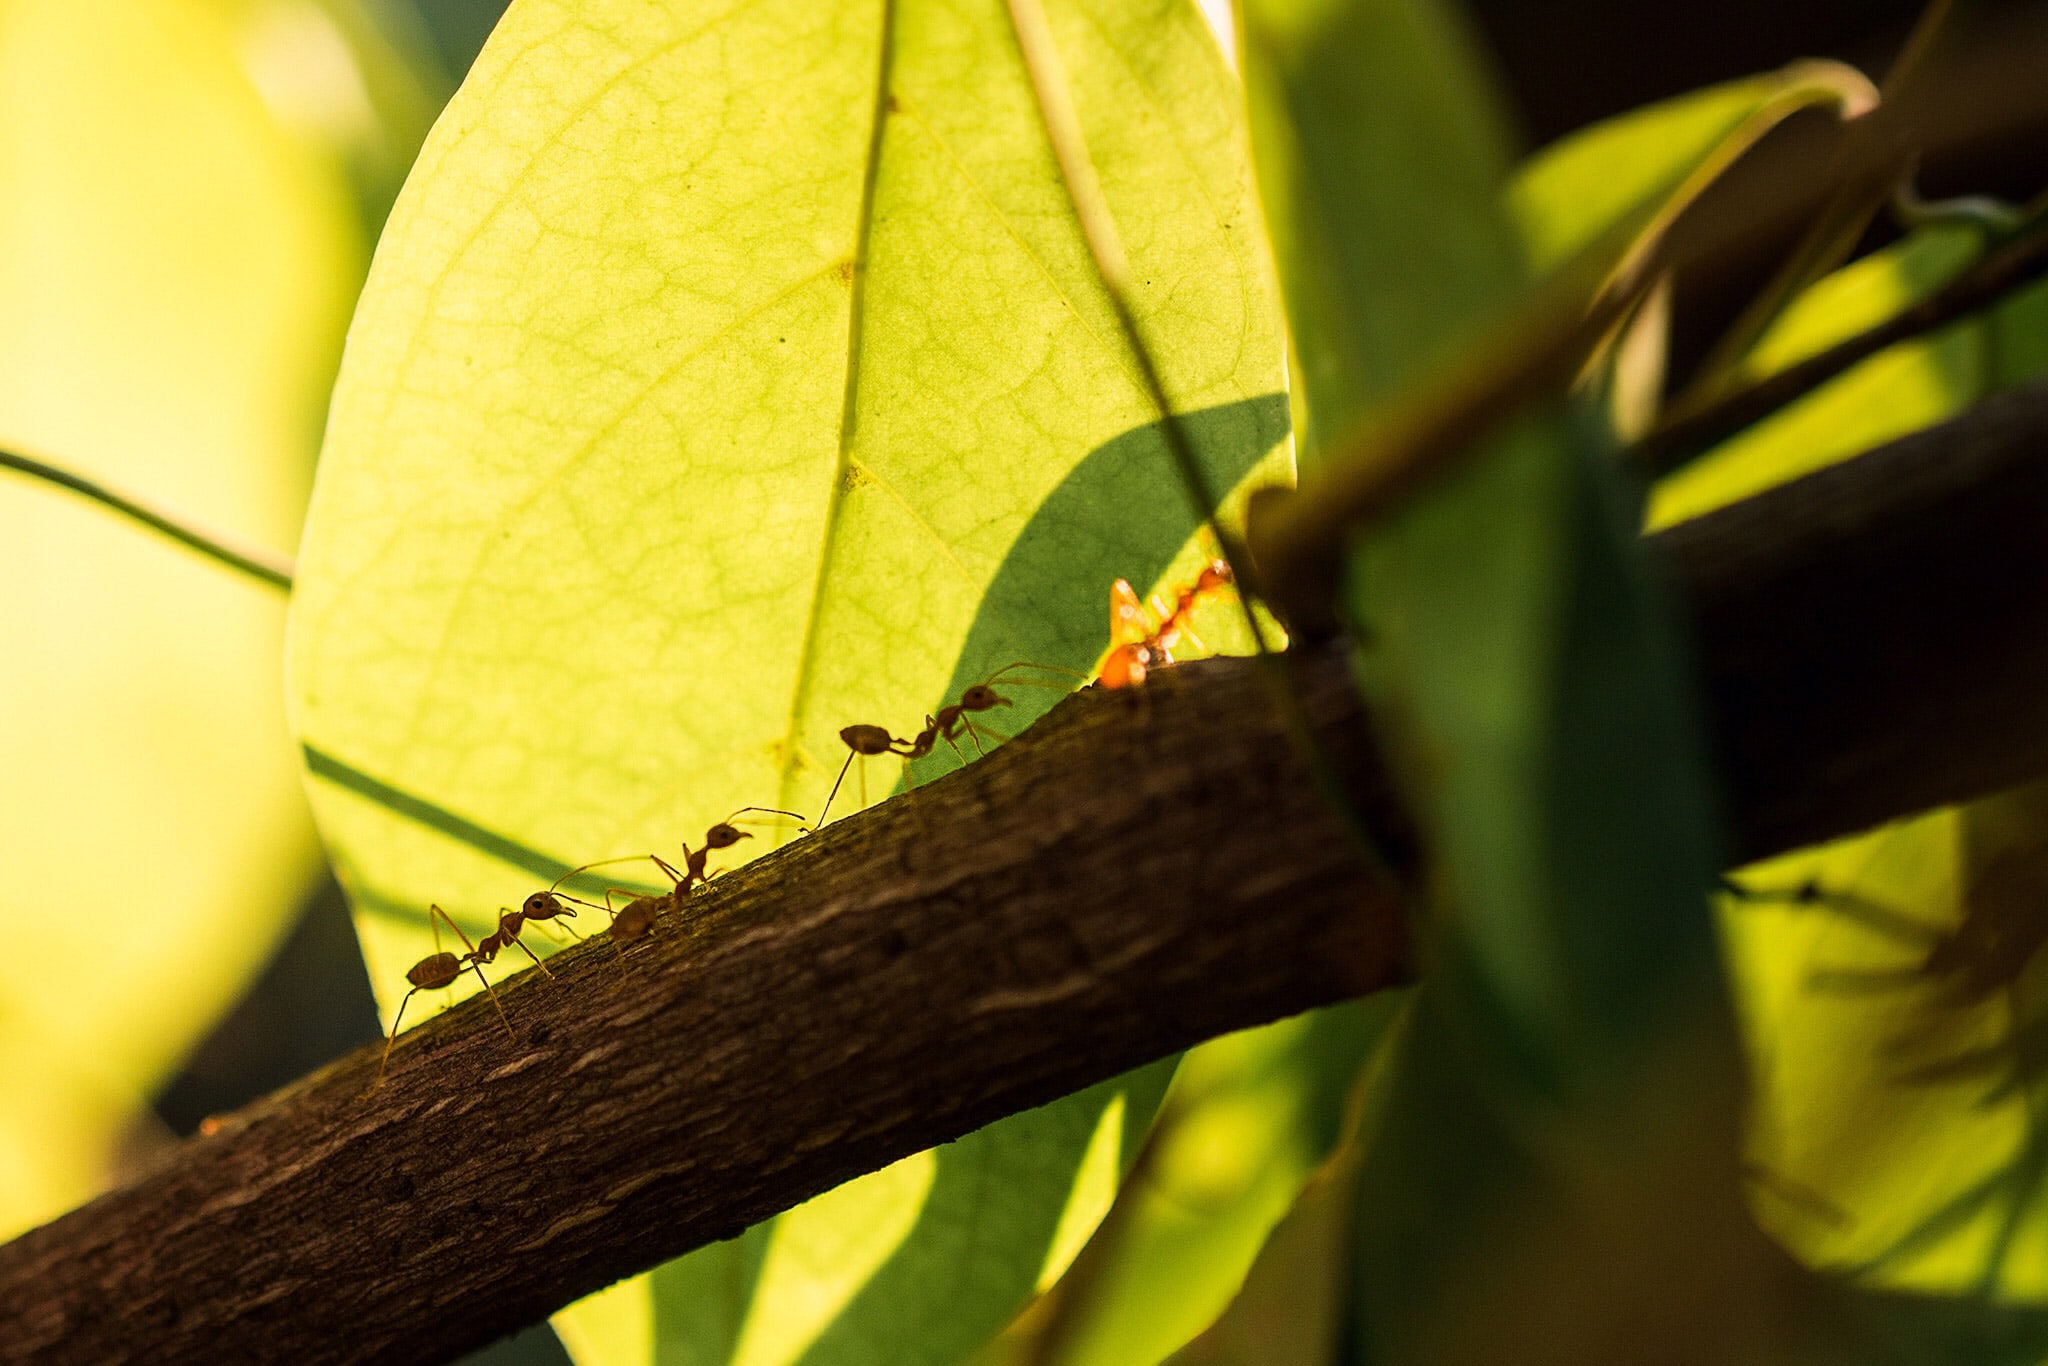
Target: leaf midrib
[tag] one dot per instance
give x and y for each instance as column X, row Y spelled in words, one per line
column 855, row 320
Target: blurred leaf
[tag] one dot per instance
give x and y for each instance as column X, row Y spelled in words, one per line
column 2018, row 338
column 352, row 76
column 707, row 397
column 176, row 268
column 1539, row 1154
column 1248, row 1119
column 1408, row 154
column 920, row 1262
column 1899, row 390
column 1520, row 1193
column 1565, row 196
column 1292, row 1308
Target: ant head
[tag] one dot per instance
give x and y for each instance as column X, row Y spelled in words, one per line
column 1214, row 576
column 981, row 697
column 436, row 971
column 725, row 835
column 866, row 739
column 544, row 906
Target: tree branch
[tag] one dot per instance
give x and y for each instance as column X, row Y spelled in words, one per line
column 1139, row 872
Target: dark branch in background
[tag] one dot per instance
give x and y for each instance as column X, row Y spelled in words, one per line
column 257, row 563
column 1140, row 871
column 1875, row 635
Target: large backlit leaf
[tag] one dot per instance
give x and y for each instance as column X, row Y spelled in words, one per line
column 729, row 374
column 176, row 265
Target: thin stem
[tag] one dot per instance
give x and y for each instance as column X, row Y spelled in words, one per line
column 1689, row 431
column 257, row 563
column 1869, row 163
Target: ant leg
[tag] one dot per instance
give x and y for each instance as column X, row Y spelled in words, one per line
column 665, row 866
column 478, row 969
column 979, row 728
column 601, row 863
column 835, row 789
column 396, row 1021
column 433, row 911
column 766, row 811
column 534, row 956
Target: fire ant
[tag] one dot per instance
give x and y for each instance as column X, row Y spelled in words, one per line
column 436, row 971
column 635, row 920
column 511, row 922
column 864, row 739
column 1138, row 651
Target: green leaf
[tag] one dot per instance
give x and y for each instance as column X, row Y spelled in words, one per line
column 1897, row 391
column 1570, row 193
column 1374, row 125
column 1891, row 995
column 1249, row 1118
column 727, row 375
column 1566, row 194
column 921, row 1262
column 176, row 266
column 1886, row 981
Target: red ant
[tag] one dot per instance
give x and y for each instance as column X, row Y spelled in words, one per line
column 864, row 739
column 436, row 971
column 1139, row 651
column 635, row 920
column 540, row 906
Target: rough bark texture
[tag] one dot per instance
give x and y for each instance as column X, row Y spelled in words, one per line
column 1139, row 872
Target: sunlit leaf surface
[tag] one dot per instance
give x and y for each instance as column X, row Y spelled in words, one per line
column 176, row 265
column 729, row 374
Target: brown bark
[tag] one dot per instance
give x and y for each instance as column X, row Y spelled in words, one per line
column 1139, row 872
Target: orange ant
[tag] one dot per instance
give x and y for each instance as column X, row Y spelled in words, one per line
column 864, row 739
column 635, row 920
column 436, row 971
column 1138, row 651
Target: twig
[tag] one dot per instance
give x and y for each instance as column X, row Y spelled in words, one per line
column 1134, row 874
column 1873, row 156
column 258, row 564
